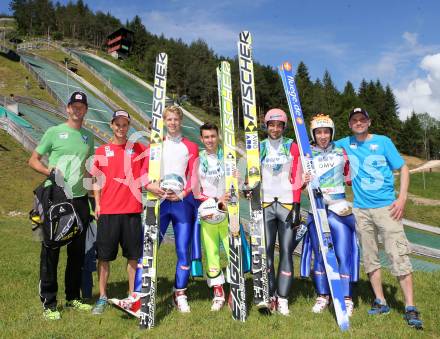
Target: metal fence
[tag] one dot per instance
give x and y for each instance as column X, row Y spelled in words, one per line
column 134, row 122
column 108, row 84
column 19, row 133
column 91, row 127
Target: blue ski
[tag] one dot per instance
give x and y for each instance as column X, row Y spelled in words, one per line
column 316, row 199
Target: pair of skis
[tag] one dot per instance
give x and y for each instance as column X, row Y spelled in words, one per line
column 235, row 258
column 256, row 224
column 151, row 210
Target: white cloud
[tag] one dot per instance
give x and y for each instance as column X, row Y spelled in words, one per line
column 192, row 23
column 396, row 63
column 413, row 71
column 411, row 38
column 423, row 93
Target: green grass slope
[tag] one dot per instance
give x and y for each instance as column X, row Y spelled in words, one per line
column 17, row 179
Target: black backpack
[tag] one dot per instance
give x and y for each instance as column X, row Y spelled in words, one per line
column 54, row 214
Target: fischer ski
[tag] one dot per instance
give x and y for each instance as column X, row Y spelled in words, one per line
column 256, row 223
column 151, row 212
column 316, row 198
column 236, row 274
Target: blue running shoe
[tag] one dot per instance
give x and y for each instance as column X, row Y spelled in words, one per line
column 379, row 308
column 412, row 317
column 100, row 306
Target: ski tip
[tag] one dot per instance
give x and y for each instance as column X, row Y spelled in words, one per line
column 286, row 66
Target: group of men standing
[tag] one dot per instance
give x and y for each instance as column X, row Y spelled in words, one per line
column 192, row 191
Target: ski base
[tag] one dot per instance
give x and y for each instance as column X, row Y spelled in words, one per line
column 149, row 273
column 259, row 260
column 237, row 282
column 119, row 305
column 250, row 119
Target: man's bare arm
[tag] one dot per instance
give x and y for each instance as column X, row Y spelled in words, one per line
column 398, row 206
column 36, row 163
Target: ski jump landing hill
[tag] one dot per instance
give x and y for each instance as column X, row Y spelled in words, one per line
column 137, row 93
column 60, row 84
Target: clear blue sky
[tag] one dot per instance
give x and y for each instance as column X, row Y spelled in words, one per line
column 389, row 40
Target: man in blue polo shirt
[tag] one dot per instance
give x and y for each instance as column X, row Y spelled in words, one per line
column 373, row 158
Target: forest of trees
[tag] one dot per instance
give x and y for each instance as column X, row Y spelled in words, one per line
column 191, row 72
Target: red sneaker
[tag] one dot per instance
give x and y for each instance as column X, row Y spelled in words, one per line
column 219, row 298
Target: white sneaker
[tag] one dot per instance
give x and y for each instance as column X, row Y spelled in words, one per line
column 349, row 306
column 217, row 304
column 283, row 306
column 321, row 304
column 180, row 301
column 219, row 298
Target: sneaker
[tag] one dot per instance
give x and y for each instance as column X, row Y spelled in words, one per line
column 49, row 314
column 78, row 305
column 283, row 306
column 412, row 317
column 322, row 302
column 264, row 308
column 219, row 298
column 379, row 308
column 180, row 301
column 100, row 305
column 349, row 306
column 273, row 304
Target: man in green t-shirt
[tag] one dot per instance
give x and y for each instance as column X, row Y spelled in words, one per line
column 67, row 146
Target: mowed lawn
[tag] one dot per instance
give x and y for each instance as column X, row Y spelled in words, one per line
column 426, row 185
column 21, row 311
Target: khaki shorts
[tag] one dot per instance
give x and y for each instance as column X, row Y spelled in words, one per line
column 372, row 222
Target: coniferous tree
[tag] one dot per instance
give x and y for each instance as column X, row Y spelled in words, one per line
column 348, row 101
column 389, row 115
column 305, row 89
column 191, row 72
column 331, row 95
column 411, row 137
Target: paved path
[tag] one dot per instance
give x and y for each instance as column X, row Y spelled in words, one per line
column 426, row 166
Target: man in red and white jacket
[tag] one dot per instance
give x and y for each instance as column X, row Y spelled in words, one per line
column 178, row 159
column 116, row 169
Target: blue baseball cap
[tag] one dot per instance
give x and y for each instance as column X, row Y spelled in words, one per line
column 358, row 110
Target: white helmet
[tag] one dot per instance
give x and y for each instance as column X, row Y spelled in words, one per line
column 321, row 120
column 172, row 182
column 210, row 212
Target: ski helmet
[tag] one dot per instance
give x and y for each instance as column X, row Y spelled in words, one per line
column 321, row 120
column 275, row 114
column 210, row 212
column 172, row 182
